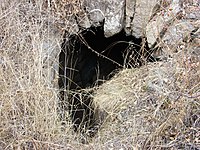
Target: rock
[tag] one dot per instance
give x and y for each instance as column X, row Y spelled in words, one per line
column 177, row 32
column 144, row 9
column 112, row 10
column 130, row 10
column 154, row 29
column 96, row 17
column 158, row 25
column 114, row 16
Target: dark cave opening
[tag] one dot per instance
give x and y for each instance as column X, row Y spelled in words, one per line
column 89, row 58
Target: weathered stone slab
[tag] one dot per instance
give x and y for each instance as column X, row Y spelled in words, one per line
column 130, row 11
column 144, row 9
column 114, row 16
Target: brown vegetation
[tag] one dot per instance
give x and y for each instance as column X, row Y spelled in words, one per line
column 155, row 106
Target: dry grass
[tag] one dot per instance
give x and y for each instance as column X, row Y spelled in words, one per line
column 156, row 106
column 28, row 103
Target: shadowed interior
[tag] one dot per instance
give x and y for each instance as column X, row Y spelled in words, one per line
column 88, row 59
